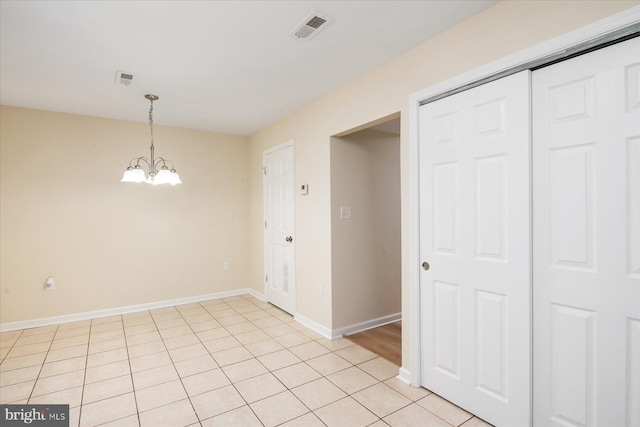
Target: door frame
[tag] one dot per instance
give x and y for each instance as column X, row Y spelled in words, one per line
column 265, row 153
column 540, row 54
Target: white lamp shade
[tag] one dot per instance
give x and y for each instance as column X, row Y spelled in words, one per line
column 175, row 178
column 163, row 177
column 134, row 175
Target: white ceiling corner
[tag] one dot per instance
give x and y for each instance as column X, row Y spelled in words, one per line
column 222, row 66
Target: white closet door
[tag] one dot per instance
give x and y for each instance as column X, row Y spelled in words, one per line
column 586, row 180
column 475, row 234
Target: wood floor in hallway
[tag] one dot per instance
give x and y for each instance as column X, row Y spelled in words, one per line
column 385, row 341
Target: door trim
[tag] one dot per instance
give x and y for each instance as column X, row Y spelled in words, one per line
column 567, row 41
column 265, row 153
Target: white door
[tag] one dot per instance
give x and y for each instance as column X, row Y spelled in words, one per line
column 586, row 180
column 279, row 224
column 474, row 233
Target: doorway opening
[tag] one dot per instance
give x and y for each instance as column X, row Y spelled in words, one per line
column 365, row 227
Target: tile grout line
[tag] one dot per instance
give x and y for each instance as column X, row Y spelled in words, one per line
column 278, row 379
column 174, row 363
column 310, row 411
column 224, row 373
column 133, row 385
column 130, row 376
column 254, row 357
column 43, row 363
column 12, row 346
column 221, row 368
column 84, row 377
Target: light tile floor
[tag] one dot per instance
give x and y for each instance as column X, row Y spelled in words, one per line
column 230, row 362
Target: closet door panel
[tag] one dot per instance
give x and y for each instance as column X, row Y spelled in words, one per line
column 586, row 191
column 475, row 219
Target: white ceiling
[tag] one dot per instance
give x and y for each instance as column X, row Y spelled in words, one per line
column 224, row 66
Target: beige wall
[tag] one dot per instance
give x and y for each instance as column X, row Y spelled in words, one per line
column 64, row 213
column 109, row 244
column 504, row 29
column 365, row 250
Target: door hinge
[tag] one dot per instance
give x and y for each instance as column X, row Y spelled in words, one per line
column 264, row 170
column 265, row 224
column 266, row 278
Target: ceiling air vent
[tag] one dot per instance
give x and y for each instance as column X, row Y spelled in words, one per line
column 124, row 78
column 311, row 26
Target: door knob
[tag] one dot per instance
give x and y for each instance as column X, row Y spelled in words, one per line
column 425, row 265
column 289, row 239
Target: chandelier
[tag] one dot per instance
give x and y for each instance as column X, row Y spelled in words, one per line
column 158, row 171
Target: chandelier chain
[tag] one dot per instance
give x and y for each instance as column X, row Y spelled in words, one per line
column 151, row 121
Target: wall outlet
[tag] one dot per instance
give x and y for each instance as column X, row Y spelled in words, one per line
column 227, row 266
column 50, row 284
column 320, row 289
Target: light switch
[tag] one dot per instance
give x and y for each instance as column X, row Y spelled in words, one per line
column 345, row 212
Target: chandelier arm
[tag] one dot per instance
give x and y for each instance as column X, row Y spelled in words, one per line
column 159, row 160
column 164, row 162
column 138, row 160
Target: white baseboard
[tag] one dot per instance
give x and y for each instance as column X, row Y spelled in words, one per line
column 35, row 323
column 314, row 326
column 404, row 375
column 369, row 324
column 256, row 294
column 311, row 324
column 333, row 334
